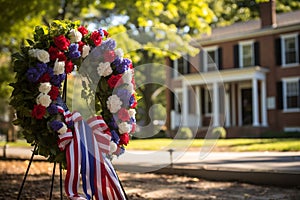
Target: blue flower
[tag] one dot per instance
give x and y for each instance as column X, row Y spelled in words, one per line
column 52, row 109
column 34, row 73
column 132, row 120
column 124, row 95
column 100, row 30
column 115, row 137
column 123, row 66
column 108, row 44
column 56, row 125
column 112, row 124
column 131, row 100
column 73, row 51
column 58, row 79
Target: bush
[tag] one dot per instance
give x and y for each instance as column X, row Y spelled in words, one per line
column 184, row 133
column 220, row 132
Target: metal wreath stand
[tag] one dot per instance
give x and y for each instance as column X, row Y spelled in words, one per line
column 64, row 97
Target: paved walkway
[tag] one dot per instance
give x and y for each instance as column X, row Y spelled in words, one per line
column 273, row 168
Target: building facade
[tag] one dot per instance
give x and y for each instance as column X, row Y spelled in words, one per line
column 246, row 78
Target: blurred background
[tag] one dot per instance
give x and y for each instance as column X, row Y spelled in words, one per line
column 188, row 18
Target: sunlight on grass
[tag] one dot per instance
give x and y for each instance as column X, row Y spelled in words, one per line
column 239, row 145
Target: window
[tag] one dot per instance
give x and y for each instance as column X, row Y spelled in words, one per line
column 210, row 59
column 178, row 101
column 291, row 96
column 246, row 52
column 208, row 101
column 289, row 50
column 180, row 66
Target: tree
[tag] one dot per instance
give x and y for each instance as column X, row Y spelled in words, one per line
column 231, row 11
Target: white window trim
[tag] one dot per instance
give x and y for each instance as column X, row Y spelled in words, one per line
column 292, row 129
column 241, row 44
column 284, row 81
column 283, row 60
column 206, row 49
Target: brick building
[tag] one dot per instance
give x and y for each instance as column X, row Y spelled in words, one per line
column 246, row 78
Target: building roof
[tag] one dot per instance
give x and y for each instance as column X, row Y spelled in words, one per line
column 252, row 26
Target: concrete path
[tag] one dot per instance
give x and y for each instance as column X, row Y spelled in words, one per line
column 272, row 168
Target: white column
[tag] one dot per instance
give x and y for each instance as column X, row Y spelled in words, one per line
column 227, row 106
column 254, row 103
column 185, row 104
column 233, row 104
column 263, row 97
column 198, row 105
column 216, row 105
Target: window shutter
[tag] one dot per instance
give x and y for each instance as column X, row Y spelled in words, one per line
column 172, row 67
column 188, row 70
column 299, row 93
column 236, row 56
column 202, row 101
column 299, row 49
column 172, row 96
column 220, row 61
column 256, row 54
column 278, row 51
column 279, row 95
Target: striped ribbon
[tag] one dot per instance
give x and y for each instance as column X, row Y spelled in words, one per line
column 86, row 150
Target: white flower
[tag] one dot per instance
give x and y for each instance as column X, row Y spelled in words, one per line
column 114, row 103
column 32, row 52
column 75, row 35
column 112, row 147
column 127, row 76
column 119, row 52
column 63, row 129
column 130, row 88
column 104, row 69
column 42, row 55
column 132, row 113
column 124, row 127
column 85, row 50
column 45, row 87
column 43, row 99
column 59, row 67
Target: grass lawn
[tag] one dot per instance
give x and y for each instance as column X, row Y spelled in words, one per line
column 237, row 145
column 278, row 144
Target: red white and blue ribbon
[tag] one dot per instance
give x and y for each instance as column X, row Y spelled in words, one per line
column 86, row 151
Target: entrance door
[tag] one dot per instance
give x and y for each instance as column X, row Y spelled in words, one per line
column 247, row 106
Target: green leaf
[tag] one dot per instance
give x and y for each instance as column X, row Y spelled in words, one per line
column 30, row 42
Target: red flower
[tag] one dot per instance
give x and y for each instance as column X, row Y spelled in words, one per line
column 114, row 80
column 54, row 92
column 130, row 66
column 45, row 78
column 56, row 53
column 38, row 111
column 83, row 30
column 105, row 33
column 80, row 46
column 69, row 66
column 124, row 139
column 109, row 56
column 123, row 115
column 96, row 38
column 62, row 42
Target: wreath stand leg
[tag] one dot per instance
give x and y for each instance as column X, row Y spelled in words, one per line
column 26, row 173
